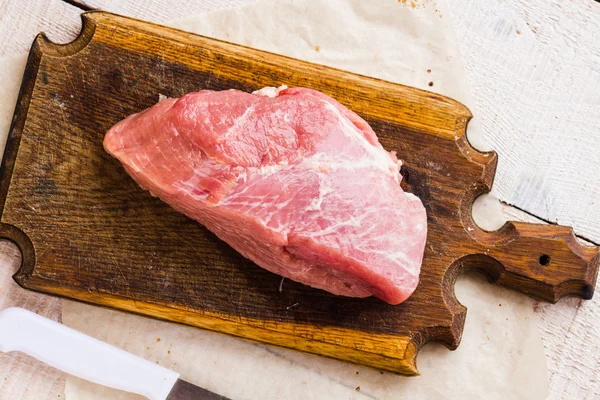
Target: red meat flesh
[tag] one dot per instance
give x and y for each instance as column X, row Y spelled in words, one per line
column 289, row 178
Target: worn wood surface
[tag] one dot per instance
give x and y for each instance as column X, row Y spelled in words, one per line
column 88, row 232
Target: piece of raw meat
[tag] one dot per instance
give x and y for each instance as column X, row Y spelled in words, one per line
column 290, row 178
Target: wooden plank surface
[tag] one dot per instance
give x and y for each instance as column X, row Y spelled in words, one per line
column 151, row 260
column 162, row 10
column 535, row 74
column 21, row 21
column 570, row 375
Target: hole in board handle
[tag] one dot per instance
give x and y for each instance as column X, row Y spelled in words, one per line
column 544, row 260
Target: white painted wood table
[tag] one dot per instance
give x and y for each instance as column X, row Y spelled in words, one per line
column 534, row 69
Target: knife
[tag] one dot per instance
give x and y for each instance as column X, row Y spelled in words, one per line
column 85, row 357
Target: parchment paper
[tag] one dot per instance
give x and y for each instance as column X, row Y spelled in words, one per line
column 501, row 355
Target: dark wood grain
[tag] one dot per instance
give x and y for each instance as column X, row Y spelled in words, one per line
column 88, row 232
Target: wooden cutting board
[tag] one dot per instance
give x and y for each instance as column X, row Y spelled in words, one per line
column 88, row 232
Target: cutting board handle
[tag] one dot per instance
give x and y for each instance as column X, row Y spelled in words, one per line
column 544, row 261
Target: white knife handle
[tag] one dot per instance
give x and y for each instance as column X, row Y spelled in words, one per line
column 83, row 356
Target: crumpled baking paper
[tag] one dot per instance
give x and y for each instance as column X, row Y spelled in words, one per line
column 409, row 42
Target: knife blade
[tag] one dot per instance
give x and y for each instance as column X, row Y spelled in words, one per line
column 88, row 358
column 183, row 390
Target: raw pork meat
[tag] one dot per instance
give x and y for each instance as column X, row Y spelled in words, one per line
column 290, row 178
